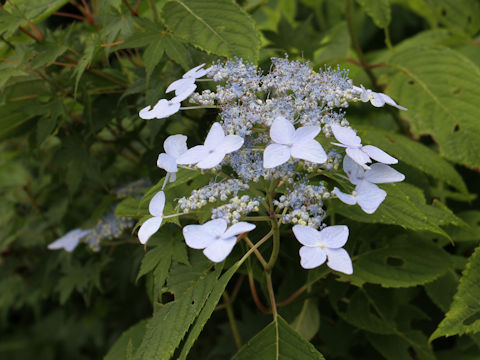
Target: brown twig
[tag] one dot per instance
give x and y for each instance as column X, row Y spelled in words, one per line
column 73, row 16
column 133, row 12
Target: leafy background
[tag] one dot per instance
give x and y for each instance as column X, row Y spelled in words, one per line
column 73, row 76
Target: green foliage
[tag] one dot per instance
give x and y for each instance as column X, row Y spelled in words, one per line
column 463, row 315
column 278, row 341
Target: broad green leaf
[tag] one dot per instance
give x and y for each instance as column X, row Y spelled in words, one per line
column 278, row 341
column 176, row 50
column 127, row 342
column 335, row 45
column 458, row 15
column 402, row 346
column 378, row 10
column 217, row 26
column 405, row 262
column 464, row 314
column 442, row 290
column 307, row 322
column 171, row 321
column 14, row 117
column 407, row 150
column 404, row 206
column 130, row 207
column 152, row 56
column 440, row 87
column 36, row 11
column 470, row 233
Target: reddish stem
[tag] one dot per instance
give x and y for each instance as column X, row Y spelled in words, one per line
column 255, row 297
column 73, row 16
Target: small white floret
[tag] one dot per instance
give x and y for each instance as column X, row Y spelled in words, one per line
column 318, row 246
column 214, row 238
column 376, row 99
column 151, row 226
column 69, row 241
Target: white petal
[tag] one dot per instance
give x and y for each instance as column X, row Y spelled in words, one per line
column 146, row 114
column 358, row 156
column 164, row 108
column 219, row 250
column 213, row 158
column 305, row 133
column 310, row 150
column 381, row 174
column 311, row 257
column 157, row 204
column 215, row 136
column 306, row 235
column 370, row 196
column 379, row 155
column 167, row 163
column 231, row 143
column 195, row 72
column 175, row 145
column 388, row 100
column 69, row 241
column 197, row 237
column 377, row 100
column 193, row 155
column 282, row 131
column 216, row 227
column 339, row 260
column 334, row 236
column 237, row 229
column 346, row 136
column 149, row 228
column 180, row 85
column 345, row 198
column 354, row 171
column 184, row 93
column 275, row 155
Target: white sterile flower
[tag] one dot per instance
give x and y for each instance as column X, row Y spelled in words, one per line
column 174, row 146
column 378, row 173
column 162, row 109
column 69, row 241
column 354, row 148
column 196, row 72
column 319, row 246
column 376, row 99
column 152, row 225
column 216, row 146
column 214, row 237
column 183, row 88
column 367, row 195
column 288, row 142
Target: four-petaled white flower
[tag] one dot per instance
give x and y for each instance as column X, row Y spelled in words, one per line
column 216, row 146
column 162, row 109
column 214, row 237
column 319, row 246
column 69, row 241
column 174, row 146
column 354, row 148
column 152, row 225
column 376, row 99
column 367, row 195
column 288, row 142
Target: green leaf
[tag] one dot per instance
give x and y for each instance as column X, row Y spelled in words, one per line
column 457, row 15
column 442, row 290
column 48, row 52
column 278, row 341
column 404, row 206
column 440, row 87
column 464, row 314
column 128, row 341
column 38, row 10
column 13, row 118
column 176, row 50
column 92, row 47
column 307, row 322
column 378, row 10
column 217, row 26
column 407, row 150
column 335, row 45
column 171, row 321
column 405, row 262
column 152, row 56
